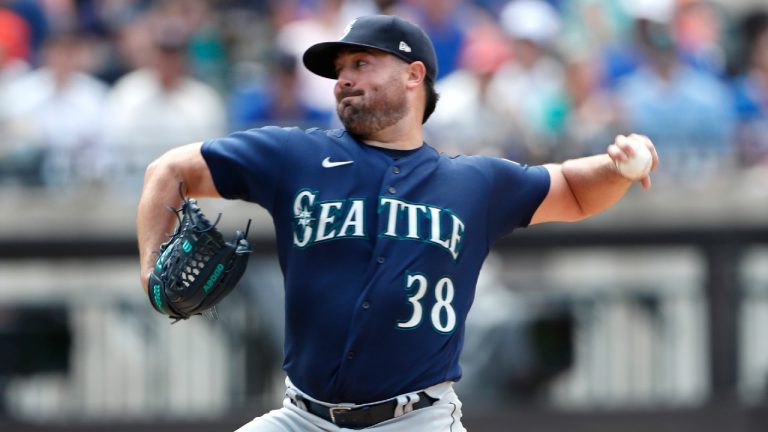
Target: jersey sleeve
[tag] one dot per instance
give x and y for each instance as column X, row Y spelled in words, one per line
column 248, row 165
column 516, row 192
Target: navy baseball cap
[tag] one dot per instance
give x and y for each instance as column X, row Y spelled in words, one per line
column 387, row 33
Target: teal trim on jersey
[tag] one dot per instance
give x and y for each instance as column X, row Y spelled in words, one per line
column 346, row 206
column 327, row 211
column 351, row 202
column 423, row 238
column 339, row 215
column 410, row 303
column 427, row 306
column 306, row 215
column 456, row 316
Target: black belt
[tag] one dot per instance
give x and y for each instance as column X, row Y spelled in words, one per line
column 359, row 417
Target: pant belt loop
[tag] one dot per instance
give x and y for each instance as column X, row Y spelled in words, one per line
column 400, row 407
column 296, row 398
column 405, row 404
column 414, row 398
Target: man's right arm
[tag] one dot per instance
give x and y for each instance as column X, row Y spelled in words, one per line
column 161, row 191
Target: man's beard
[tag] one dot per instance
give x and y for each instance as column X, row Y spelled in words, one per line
column 379, row 108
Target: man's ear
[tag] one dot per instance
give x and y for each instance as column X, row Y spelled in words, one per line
column 417, row 72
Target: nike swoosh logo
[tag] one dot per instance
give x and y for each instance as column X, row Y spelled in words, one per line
column 328, row 164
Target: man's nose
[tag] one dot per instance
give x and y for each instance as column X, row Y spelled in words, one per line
column 345, row 79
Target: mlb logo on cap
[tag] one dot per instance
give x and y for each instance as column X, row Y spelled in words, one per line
column 386, row 33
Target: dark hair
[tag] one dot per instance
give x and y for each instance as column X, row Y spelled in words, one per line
column 753, row 26
column 431, row 99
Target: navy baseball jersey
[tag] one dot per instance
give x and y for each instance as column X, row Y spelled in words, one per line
column 380, row 250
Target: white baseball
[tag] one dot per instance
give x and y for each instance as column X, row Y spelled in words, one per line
column 639, row 165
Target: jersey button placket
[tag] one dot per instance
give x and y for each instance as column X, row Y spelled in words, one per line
column 391, row 189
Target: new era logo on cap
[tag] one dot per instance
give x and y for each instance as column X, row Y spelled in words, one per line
column 386, row 33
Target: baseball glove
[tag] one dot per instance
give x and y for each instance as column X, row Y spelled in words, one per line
column 196, row 268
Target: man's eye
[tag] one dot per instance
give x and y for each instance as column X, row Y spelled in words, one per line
column 360, row 63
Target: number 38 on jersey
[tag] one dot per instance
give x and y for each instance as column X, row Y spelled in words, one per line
column 441, row 315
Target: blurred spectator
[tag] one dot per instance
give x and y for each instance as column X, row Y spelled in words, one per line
column 386, row 7
column 625, row 55
column 492, row 7
column 593, row 27
column 468, row 119
column 53, row 118
column 525, row 84
column 103, row 22
column 14, row 35
column 686, row 112
column 532, row 107
column 14, row 47
column 274, row 99
column 159, row 106
column 326, row 23
column 444, row 21
column 36, row 22
column 697, row 28
column 100, row 17
column 584, row 115
column 206, row 52
column 751, row 92
column 61, row 16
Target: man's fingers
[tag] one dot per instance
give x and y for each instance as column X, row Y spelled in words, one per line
column 646, row 183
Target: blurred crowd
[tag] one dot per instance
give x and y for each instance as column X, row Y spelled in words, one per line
column 91, row 90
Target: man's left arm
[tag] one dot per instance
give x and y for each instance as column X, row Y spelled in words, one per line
column 580, row 188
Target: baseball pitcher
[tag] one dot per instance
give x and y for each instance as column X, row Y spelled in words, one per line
column 380, row 237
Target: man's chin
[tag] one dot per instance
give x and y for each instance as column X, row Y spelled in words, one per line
column 356, row 130
column 354, row 126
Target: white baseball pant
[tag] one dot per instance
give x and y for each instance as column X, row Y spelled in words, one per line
column 443, row 416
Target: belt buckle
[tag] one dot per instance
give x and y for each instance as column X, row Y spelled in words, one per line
column 337, row 409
